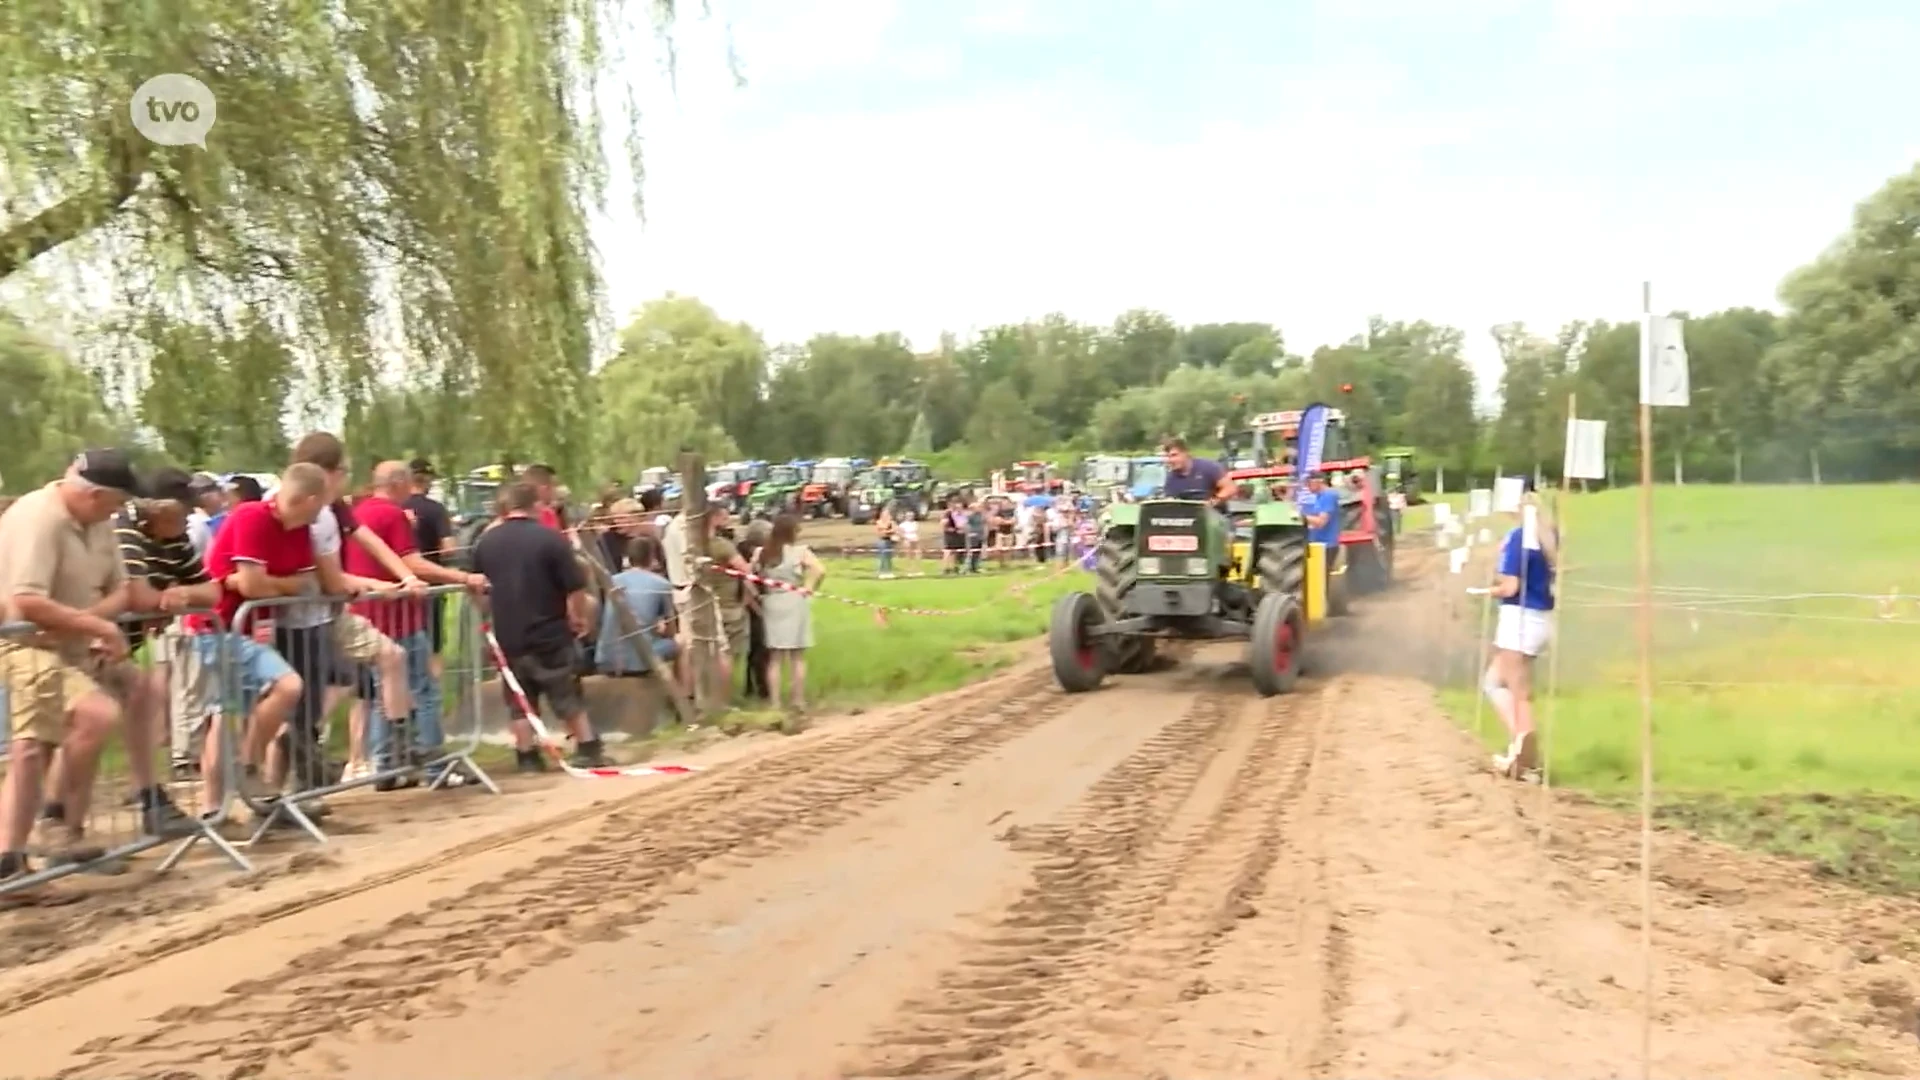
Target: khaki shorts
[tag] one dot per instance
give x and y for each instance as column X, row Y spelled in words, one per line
column 41, row 687
column 357, row 639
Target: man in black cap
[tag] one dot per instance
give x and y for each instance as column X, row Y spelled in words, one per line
column 70, row 680
column 163, row 575
column 433, row 536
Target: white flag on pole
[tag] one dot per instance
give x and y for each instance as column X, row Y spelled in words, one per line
column 1663, row 362
column 1586, row 450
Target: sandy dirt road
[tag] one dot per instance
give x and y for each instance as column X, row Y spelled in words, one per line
column 1168, row 878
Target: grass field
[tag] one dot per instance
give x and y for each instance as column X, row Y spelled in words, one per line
column 1785, row 716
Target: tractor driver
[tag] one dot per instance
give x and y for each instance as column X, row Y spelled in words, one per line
column 1194, row 478
column 1198, row 479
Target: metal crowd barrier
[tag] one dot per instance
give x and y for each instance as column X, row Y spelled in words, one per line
column 160, row 679
column 351, row 657
column 210, row 685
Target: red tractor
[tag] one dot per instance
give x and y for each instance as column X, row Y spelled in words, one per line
column 1035, row 478
column 1266, row 453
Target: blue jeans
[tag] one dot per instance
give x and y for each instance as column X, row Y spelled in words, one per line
column 886, row 556
column 425, row 690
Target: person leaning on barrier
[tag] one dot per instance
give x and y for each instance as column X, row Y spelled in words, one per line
column 159, row 549
column 433, row 538
column 60, row 571
column 264, row 551
column 163, row 575
column 402, row 620
column 317, row 636
column 538, row 602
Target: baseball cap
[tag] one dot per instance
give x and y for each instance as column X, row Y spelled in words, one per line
column 200, row 484
column 168, row 483
column 109, row 468
column 421, row 467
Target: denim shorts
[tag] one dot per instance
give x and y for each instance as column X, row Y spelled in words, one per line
column 258, row 667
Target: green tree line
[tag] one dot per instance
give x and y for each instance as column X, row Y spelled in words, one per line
column 274, row 268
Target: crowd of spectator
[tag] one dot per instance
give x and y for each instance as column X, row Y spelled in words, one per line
column 302, row 597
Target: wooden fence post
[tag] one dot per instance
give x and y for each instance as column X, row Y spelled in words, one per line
column 701, row 660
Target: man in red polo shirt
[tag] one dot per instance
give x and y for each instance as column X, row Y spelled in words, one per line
column 402, row 618
column 263, row 550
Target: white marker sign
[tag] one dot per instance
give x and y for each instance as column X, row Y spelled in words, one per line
column 1586, row 450
column 1479, row 503
column 1663, row 362
column 1508, row 491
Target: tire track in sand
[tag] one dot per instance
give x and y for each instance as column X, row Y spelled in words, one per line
column 429, row 960
column 1151, row 869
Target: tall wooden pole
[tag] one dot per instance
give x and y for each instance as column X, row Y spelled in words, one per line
column 693, row 514
column 1646, row 682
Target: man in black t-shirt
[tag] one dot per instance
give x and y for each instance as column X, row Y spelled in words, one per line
column 537, row 594
column 433, row 536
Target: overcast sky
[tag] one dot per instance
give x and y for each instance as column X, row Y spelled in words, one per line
column 916, row 165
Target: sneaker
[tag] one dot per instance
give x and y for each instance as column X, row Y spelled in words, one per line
column 1522, row 751
column 454, row 778
column 16, row 867
column 254, row 787
column 356, row 771
column 590, row 755
column 529, row 761
column 62, row 846
column 161, row 817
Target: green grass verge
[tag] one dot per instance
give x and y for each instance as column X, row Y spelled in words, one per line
column 1787, row 726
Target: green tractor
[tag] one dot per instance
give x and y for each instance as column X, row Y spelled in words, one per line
column 779, row 492
column 1177, row 569
column 1398, row 473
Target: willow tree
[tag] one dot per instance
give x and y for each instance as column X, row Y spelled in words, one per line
column 394, row 190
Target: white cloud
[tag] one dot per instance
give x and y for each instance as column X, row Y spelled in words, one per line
column 1000, row 207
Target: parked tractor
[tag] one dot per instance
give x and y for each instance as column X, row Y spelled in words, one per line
column 1179, row 569
column 1106, row 476
column 1398, row 473
column 779, row 491
column 1035, row 478
column 731, row 485
column 828, row 485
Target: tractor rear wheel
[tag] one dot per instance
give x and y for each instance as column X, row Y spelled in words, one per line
column 1115, row 570
column 1079, row 663
column 1273, row 653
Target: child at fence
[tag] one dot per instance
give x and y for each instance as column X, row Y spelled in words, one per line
column 1524, row 585
column 910, row 537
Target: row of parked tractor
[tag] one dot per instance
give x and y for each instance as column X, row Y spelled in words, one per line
column 852, row 488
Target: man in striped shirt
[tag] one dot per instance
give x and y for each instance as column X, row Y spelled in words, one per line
column 158, row 547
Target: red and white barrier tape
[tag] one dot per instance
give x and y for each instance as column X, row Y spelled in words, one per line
column 552, row 746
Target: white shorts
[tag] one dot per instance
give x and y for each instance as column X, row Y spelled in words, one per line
column 1522, row 630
